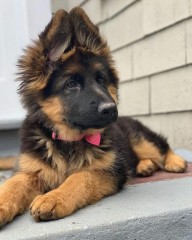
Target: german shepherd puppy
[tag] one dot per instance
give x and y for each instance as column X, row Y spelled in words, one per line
column 75, row 150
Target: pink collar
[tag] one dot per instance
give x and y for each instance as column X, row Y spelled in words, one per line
column 93, row 139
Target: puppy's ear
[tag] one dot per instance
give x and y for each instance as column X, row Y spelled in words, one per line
column 56, row 38
column 86, row 33
column 40, row 58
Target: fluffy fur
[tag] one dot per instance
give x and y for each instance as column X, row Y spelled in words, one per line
column 69, row 85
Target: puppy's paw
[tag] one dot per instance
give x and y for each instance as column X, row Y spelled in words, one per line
column 174, row 163
column 7, row 211
column 145, row 168
column 47, row 207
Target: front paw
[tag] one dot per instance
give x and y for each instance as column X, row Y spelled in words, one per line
column 7, row 212
column 50, row 206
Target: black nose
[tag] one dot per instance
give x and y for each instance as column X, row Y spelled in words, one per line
column 108, row 110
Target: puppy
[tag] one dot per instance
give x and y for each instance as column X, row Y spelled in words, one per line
column 75, row 150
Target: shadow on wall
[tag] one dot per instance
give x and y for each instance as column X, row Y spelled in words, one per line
column 9, row 142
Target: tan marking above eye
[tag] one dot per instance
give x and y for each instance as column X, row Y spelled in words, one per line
column 97, row 66
column 73, row 69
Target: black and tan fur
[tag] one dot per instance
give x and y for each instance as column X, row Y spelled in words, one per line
column 55, row 178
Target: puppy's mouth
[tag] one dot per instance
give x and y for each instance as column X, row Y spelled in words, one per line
column 84, row 127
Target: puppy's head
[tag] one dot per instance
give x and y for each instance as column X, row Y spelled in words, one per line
column 68, row 75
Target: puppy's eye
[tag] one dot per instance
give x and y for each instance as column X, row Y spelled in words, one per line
column 101, row 80
column 71, row 83
column 74, row 81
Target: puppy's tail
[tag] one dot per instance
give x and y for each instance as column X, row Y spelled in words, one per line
column 7, row 163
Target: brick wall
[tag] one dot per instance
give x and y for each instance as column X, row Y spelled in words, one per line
column 151, row 41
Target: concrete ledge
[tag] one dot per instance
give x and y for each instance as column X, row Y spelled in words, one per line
column 158, row 210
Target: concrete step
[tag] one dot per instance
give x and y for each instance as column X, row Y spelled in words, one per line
column 142, row 211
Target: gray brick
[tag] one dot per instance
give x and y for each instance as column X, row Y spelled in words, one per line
column 93, row 10
column 172, row 91
column 111, row 7
column 162, row 51
column 189, row 41
column 124, row 28
column 176, row 127
column 159, row 14
column 134, row 97
column 123, row 59
column 67, row 5
column 181, row 9
column 190, row 3
column 74, row 3
column 58, row 5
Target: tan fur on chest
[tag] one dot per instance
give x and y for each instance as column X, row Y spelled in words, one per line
column 53, row 176
column 92, row 161
column 49, row 177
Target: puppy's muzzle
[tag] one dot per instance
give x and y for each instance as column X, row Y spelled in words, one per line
column 108, row 110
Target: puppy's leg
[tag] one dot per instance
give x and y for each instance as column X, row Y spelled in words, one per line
column 174, row 163
column 16, row 194
column 146, row 168
column 79, row 190
column 154, row 155
column 150, row 155
column 153, row 151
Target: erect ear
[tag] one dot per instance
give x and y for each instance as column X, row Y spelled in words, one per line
column 56, row 37
column 86, row 33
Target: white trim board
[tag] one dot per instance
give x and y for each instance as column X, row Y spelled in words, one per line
column 20, row 22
